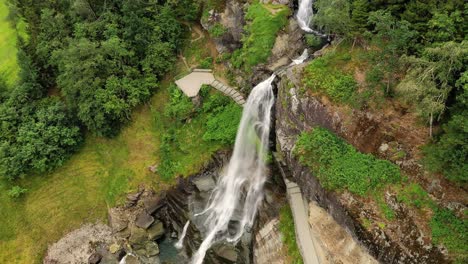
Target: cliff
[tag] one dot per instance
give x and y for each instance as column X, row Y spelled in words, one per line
column 404, row 239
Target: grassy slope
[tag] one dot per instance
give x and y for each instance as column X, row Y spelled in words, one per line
column 80, row 190
column 8, row 64
column 96, row 177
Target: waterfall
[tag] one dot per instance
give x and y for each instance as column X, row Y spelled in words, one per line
column 180, row 243
column 304, row 16
column 300, row 59
column 241, row 184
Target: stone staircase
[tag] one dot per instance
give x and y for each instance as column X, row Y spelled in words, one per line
column 235, row 95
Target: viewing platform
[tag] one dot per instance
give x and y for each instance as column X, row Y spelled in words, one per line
column 192, row 83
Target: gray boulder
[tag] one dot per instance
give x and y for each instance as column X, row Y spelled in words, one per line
column 156, row 230
column 144, row 220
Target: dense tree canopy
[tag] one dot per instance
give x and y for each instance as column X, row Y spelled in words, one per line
column 85, row 66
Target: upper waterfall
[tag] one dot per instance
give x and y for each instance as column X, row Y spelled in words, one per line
column 240, row 187
column 304, row 16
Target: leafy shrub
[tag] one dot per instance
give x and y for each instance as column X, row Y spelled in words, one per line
column 222, row 125
column 236, row 58
column 414, row 195
column 215, row 103
column 16, row 192
column 313, row 41
column 211, row 127
column 449, row 230
column 180, row 106
column 225, row 56
column 286, row 227
column 206, row 63
column 338, row 165
column 217, row 30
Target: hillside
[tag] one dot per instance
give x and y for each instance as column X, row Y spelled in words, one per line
column 350, row 146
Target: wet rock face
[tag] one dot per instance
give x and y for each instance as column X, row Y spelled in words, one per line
column 289, row 44
column 401, row 241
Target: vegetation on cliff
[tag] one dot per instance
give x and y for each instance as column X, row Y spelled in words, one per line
column 339, row 166
column 193, row 132
column 414, row 52
column 264, row 21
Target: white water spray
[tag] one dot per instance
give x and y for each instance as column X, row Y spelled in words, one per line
column 300, row 59
column 241, row 185
column 180, row 243
column 124, row 259
column 304, row 16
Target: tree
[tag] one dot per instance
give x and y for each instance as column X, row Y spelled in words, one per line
column 392, row 37
column 449, row 153
column 359, row 15
column 442, row 26
column 42, row 140
column 333, row 16
column 430, row 79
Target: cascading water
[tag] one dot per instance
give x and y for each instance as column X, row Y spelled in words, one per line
column 241, row 184
column 180, row 243
column 300, row 59
column 304, row 16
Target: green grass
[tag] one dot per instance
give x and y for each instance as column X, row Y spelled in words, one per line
column 338, row 165
column 264, row 22
column 9, row 66
column 288, row 232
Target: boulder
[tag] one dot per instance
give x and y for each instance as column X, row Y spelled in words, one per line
column 288, row 45
column 144, row 220
column 117, row 219
column 95, row 258
column 204, row 183
column 152, row 249
column 138, row 236
column 226, row 252
column 120, row 254
column 152, row 204
column 156, row 230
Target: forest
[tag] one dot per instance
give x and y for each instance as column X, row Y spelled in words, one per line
column 84, row 66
